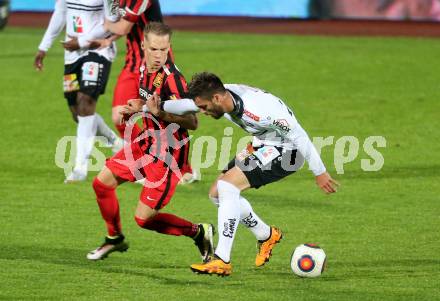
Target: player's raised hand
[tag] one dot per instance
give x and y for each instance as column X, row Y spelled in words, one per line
column 153, row 104
column 38, row 62
column 132, row 106
column 326, row 183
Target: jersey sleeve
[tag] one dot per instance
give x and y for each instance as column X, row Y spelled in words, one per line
column 304, row 145
column 135, row 8
column 285, row 124
column 181, row 107
column 56, row 25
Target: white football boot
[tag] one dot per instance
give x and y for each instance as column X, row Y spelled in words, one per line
column 110, row 245
column 77, row 175
column 189, row 178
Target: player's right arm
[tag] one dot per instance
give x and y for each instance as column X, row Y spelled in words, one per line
column 56, row 25
column 133, row 10
column 182, row 107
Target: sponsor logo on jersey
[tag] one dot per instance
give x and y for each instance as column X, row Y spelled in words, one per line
column 144, row 93
column 158, row 80
column 251, row 115
column 77, row 24
column 282, row 124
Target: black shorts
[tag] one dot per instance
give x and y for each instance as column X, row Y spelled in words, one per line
column 266, row 164
column 89, row 74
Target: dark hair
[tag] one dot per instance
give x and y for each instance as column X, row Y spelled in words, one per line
column 158, row 28
column 205, row 85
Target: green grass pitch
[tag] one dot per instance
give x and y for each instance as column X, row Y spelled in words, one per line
column 380, row 232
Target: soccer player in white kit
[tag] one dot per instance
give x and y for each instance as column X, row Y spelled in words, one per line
column 279, row 148
column 86, row 71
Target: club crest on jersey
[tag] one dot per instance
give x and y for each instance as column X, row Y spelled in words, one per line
column 77, row 24
column 282, row 124
column 251, row 115
column 158, row 80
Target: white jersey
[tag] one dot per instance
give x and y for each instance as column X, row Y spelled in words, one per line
column 271, row 122
column 83, row 19
column 266, row 118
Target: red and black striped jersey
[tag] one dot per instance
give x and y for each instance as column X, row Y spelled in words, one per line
column 168, row 83
column 139, row 12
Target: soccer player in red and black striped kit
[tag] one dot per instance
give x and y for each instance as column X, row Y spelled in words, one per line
column 136, row 14
column 158, row 154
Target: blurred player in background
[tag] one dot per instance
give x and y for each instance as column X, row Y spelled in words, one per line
column 86, row 72
column 135, row 15
column 159, row 154
column 279, row 148
column 4, row 12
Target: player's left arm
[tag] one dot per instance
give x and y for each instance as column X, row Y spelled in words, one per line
column 305, row 146
column 285, row 124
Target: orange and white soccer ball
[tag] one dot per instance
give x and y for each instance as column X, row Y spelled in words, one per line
column 308, row 260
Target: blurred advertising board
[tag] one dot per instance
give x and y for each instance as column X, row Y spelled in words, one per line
column 303, row 9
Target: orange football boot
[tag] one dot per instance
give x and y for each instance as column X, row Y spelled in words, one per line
column 265, row 247
column 213, row 266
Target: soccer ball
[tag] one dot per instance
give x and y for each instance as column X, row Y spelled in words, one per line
column 308, row 260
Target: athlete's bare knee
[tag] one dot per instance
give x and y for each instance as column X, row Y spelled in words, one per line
column 75, row 117
column 86, row 104
column 237, row 178
column 107, row 178
column 73, row 109
column 213, row 192
column 142, row 222
column 214, row 199
column 144, row 212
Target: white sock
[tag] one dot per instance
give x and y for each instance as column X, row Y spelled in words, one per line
column 104, row 130
column 228, row 218
column 85, row 137
column 252, row 221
